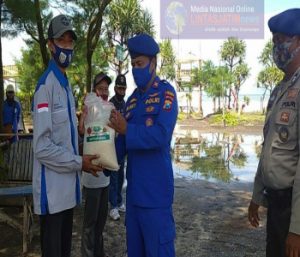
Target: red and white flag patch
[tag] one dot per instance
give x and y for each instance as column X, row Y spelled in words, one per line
column 42, row 107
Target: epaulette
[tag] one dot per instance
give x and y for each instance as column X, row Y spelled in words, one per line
column 164, row 81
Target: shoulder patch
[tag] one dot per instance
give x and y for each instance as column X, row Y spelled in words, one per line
column 285, row 117
column 42, row 107
column 133, row 100
column 292, row 93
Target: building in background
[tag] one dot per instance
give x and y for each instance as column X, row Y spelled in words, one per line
column 188, row 95
column 10, row 75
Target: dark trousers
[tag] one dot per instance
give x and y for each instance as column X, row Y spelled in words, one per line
column 278, row 221
column 150, row 232
column 95, row 214
column 115, row 187
column 56, row 234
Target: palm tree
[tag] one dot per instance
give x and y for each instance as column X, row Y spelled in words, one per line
column 126, row 18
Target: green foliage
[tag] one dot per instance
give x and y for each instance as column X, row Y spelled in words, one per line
column 219, row 81
column 167, row 67
column 266, row 57
column 270, row 75
column 30, row 68
column 233, row 52
column 124, row 19
column 16, row 14
column 240, row 74
column 181, row 116
column 212, row 165
column 202, row 76
column 246, row 100
column 233, row 119
column 212, row 157
column 30, row 17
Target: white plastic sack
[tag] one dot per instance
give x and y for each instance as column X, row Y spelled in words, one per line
column 98, row 137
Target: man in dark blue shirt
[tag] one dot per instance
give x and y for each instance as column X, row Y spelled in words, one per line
column 11, row 112
column 145, row 133
column 117, row 177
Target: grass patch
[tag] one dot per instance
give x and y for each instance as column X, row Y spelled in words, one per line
column 233, row 119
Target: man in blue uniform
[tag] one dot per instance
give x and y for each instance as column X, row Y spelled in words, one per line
column 145, row 134
column 11, row 112
column 117, row 177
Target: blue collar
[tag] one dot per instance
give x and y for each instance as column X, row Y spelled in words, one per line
column 63, row 80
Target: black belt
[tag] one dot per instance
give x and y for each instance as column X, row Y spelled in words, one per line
column 279, row 193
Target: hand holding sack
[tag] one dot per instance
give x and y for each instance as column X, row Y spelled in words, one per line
column 98, row 137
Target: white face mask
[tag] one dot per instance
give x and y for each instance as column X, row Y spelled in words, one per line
column 281, row 54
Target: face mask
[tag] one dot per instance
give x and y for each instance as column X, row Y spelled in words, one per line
column 62, row 56
column 142, row 76
column 281, row 55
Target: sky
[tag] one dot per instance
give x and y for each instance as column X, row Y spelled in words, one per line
column 204, row 49
column 208, row 49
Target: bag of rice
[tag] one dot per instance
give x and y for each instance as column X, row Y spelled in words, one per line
column 98, row 137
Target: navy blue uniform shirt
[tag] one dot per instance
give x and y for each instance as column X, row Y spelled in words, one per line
column 151, row 118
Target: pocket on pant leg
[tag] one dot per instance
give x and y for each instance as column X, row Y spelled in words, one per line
column 166, row 242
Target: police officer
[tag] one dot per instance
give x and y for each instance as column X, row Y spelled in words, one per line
column 277, row 181
column 145, row 136
column 57, row 164
column 117, row 177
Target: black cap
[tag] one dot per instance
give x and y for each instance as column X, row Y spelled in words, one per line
column 99, row 77
column 59, row 25
column 121, row 81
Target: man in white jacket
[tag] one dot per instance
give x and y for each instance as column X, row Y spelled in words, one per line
column 57, row 164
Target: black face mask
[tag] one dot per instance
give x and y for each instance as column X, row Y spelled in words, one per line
column 10, row 99
column 120, row 97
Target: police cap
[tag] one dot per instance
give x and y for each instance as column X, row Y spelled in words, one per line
column 287, row 22
column 121, row 81
column 142, row 44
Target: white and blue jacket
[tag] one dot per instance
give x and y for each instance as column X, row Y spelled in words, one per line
column 57, row 165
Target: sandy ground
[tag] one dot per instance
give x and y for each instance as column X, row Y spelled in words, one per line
column 211, row 219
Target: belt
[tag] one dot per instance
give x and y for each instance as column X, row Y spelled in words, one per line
column 279, row 193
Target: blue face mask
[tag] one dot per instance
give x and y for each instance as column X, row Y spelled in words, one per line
column 62, row 56
column 142, row 76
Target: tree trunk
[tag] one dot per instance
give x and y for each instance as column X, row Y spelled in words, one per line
column 88, row 73
column 214, row 104
column 42, row 40
column 237, row 99
column 229, row 98
column 200, row 101
column 93, row 35
column 1, row 72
